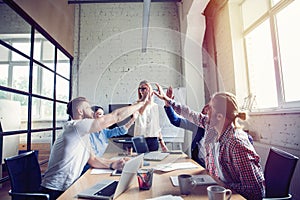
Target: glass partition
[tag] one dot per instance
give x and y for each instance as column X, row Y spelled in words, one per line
column 30, row 60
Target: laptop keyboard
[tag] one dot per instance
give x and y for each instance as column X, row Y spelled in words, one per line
column 108, row 190
column 155, row 156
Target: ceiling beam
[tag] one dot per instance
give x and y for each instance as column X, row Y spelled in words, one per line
column 146, row 16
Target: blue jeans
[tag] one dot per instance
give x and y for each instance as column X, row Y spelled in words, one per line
column 152, row 143
column 54, row 194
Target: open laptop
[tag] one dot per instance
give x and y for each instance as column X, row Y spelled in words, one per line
column 111, row 189
column 140, row 146
column 200, row 179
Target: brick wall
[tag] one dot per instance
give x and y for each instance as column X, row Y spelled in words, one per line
column 110, row 60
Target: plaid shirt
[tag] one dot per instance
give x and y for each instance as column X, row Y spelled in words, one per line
column 238, row 161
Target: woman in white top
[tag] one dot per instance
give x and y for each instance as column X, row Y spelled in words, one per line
column 147, row 123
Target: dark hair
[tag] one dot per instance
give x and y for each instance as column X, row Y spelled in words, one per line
column 73, row 105
column 95, row 108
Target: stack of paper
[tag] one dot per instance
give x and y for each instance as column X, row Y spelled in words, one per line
column 101, row 171
column 174, row 166
column 167, row 197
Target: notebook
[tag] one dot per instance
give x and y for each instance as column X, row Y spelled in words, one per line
column 140, row 146
column 111, row 189
column 201, row 179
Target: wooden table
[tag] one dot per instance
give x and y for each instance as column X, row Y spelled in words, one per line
column 161, row 184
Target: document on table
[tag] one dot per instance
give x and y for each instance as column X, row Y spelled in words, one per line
column 167, row 197
column 101, row 171
column 174, row 166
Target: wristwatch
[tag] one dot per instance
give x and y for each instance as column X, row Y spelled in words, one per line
column 110, row 166
column 171, row 101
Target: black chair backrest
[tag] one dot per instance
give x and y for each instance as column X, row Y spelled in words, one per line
column 24, row 172
column 140, row 144
column 279, row 170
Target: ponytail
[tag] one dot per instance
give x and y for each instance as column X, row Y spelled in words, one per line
column 241, row 115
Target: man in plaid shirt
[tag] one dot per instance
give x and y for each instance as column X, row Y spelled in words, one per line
column 229, row 154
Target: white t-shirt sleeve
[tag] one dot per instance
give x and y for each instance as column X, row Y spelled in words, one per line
column 83, row 126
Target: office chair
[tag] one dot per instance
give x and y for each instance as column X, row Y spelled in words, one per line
column 279, row 170
column 25, row 177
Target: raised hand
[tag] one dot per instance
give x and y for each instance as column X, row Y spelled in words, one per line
column 146, row 97
column 169, row 93
column 160, row 93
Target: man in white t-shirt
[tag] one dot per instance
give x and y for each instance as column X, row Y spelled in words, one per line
column 72, row 150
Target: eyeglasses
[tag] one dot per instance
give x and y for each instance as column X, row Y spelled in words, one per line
column 142, row 88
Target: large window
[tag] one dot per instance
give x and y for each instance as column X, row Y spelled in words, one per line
column 35, row 83
column 271, row 35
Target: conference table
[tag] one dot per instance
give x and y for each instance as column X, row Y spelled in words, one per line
column 161, row 184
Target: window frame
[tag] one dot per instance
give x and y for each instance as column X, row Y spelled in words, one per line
column 36, row 28
column 270, row 14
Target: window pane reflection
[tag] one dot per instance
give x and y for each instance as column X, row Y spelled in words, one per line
column 13, row 111
column 20, row 78
column 64, row 69
column 288, row 42
column 24, row 47
column 63, row 65
column 61, row 112
column 43, row 81
column 4, row 76
column 10, row 114
column 4, row 54
column 261, row 67
column 44, row 51
column 62, row 89
column 42, row 110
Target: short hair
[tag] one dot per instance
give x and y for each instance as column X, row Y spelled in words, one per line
column 74, row 104
column 95, row 108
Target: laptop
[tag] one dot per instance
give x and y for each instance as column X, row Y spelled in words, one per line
column 140, row 146
column 200, row 179
column 111, row 189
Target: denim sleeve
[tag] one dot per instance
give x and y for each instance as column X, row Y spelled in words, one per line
column 117, row 131
column 177, row 121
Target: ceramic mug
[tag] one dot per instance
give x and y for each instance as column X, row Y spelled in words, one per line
column 216, row 192
column 186, row 183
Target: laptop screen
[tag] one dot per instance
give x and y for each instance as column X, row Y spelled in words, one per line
column 128, row 173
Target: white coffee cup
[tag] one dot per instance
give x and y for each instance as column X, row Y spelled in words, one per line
column 216, row 192
column 186, row 183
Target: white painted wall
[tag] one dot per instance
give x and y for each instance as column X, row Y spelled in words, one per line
column 111, row 63
column 10, row 118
